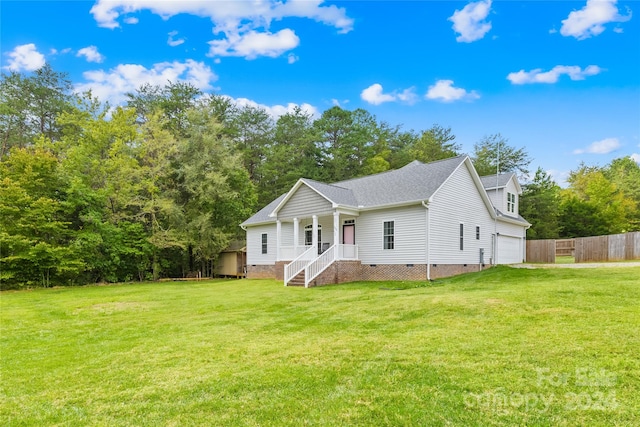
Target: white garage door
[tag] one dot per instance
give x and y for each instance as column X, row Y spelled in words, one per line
column 509, row 250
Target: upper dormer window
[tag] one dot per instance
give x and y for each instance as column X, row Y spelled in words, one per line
column 511, row 202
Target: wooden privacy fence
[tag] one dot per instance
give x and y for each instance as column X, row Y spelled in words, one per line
column 614, row 247
column 541, row 251
column 565, row 247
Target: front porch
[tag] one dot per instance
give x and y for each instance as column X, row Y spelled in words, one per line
column 305, row 249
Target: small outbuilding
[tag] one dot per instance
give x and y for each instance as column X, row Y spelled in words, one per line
column 232, row 262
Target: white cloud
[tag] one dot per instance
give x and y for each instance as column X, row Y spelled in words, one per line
column 552, row 76
column 91, row 54
column 591, row 19
column 113, row 85
column 243, row 26
column 604, row 146
column 470, row 21
column 337, row 103
column 253, row 44
column 313, row 9
column 171, row 41
column 277, row 110
column 408, row 96
column 25, row 58
column 444, row 91
column 292, row 58
column 635, row 157
column 131, row 20
column 375, row 95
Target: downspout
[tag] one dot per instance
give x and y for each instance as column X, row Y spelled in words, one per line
column 427, row 239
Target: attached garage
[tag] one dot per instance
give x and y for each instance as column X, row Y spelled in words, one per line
column 510, row 249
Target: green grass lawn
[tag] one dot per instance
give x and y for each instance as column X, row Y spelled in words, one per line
column 501, row 347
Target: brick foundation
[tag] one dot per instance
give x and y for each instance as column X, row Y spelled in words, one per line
column 279, row 269
column 399, row 272
column 339, row 272
column 260, row 271
column 353, row 271
column 439, row 271
column 373, row 272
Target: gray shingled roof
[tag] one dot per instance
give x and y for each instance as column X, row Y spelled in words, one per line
column 411, row 183
column 519, row 218
column 489, row 181
column 263, row 214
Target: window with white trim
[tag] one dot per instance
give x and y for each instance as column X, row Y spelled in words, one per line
column 388, row 235
column 264, row 243
column 308, row 236
column 511, row 202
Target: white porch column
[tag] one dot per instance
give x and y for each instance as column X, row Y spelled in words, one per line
column 336, row 229
column 314, row 232
column 295, row 237
column 336, row 234
column 278, row 238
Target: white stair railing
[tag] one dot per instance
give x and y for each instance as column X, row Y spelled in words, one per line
column 292, row 269
column 318, row 265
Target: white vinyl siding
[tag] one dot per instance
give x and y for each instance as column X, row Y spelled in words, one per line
column 500, row 198
column 409, row 236
column 458, row 202
column 510, row 207
column 304, row 203
column 254, row 245
column 286, row 234
column 496, row 198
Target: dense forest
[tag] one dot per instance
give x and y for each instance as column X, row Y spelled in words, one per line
column 158, row 187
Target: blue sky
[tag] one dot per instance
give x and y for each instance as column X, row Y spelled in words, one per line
column 561, row 79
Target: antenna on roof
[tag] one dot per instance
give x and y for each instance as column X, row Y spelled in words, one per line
column 495, row 219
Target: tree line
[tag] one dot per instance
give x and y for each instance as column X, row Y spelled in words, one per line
column 158, row 187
